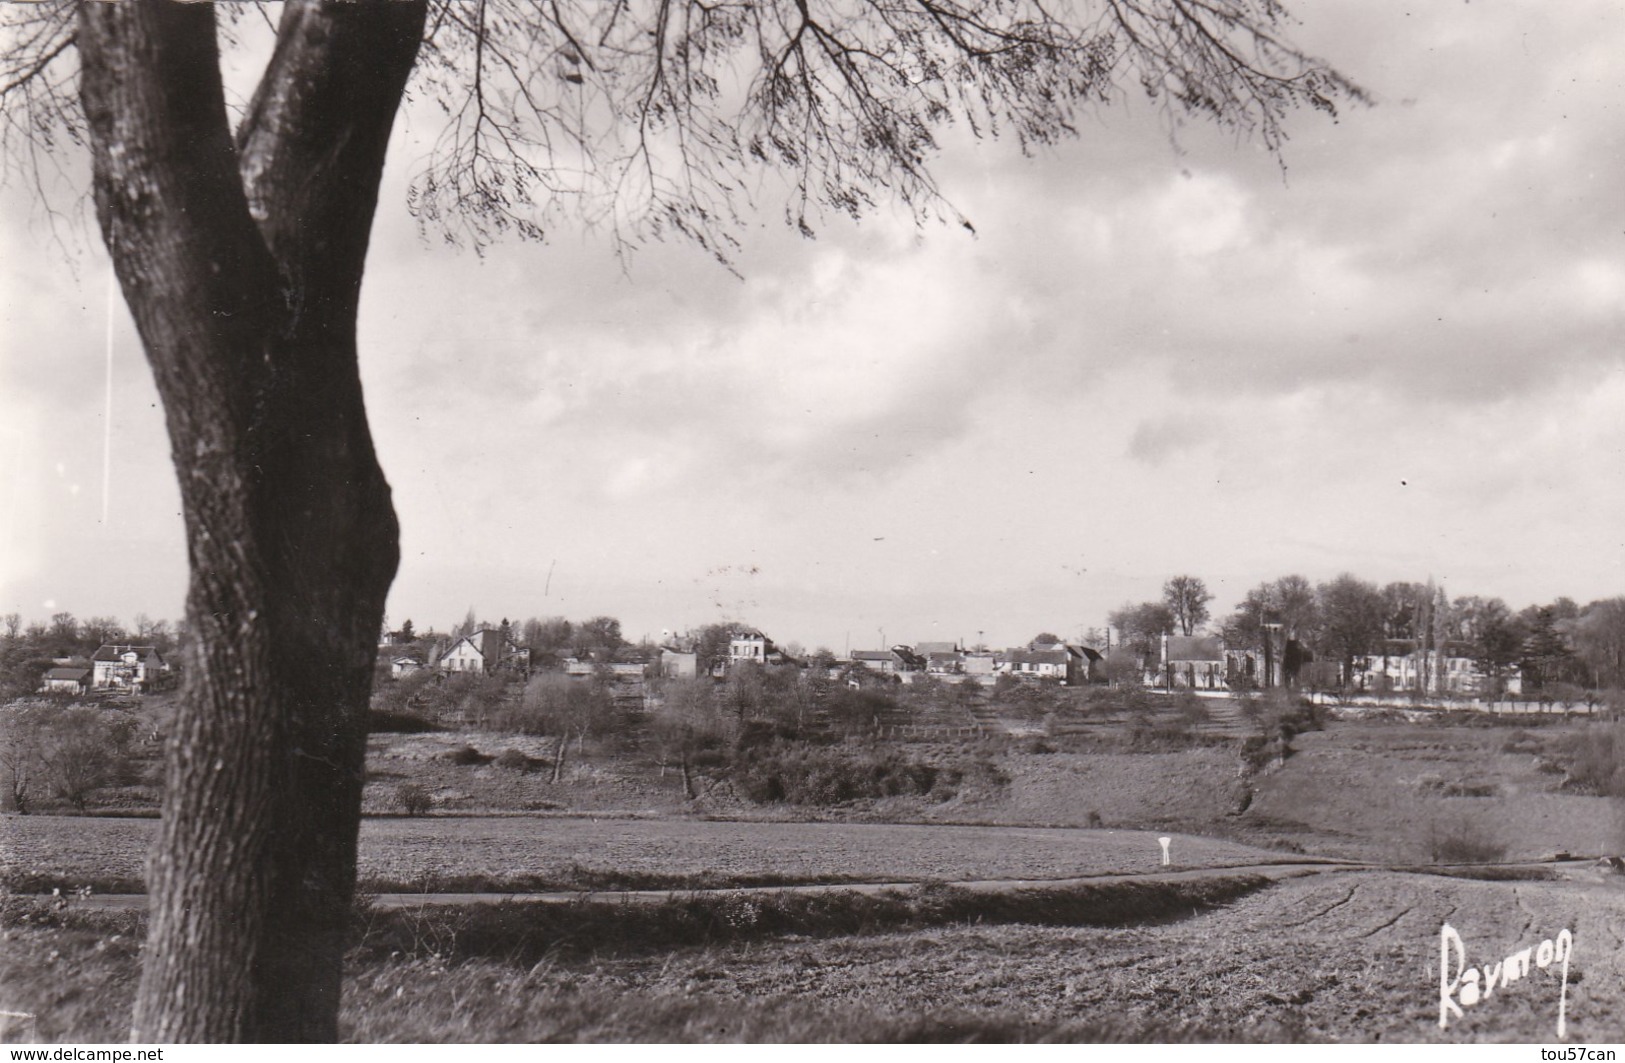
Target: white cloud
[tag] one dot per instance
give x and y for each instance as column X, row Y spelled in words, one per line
column 1400, row 356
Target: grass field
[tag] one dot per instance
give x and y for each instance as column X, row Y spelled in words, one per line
column 1380, row 790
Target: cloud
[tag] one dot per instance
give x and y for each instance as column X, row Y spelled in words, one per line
column 1154, row 442
column 1400, row 353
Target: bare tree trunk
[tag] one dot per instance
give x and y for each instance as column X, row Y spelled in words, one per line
column 558, row 757
column 241, row 263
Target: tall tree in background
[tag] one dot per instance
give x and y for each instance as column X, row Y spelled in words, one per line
column 241, row 255
column 1547, row 659
column 1350, row 612
column 1142, row 626
column 1298, row 606
column 1186, row 598
column 1404, row 606
column 1288, row 601
column 1491, row 634
column 1599, row 637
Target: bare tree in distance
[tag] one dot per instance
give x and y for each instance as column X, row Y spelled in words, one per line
column 1141, row 627
column 241, row 252
column 1350, row 612
column 1187, row 598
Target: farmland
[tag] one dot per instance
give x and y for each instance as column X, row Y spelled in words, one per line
column 1331, row 954
column 501, row 853
column 1340, row 956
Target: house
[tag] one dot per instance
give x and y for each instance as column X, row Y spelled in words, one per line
column 678, row 663
column 886, row 662
column 1449, row 669
column 620, row 671
column 943, row 662
column 1071, row 664
column 1196, row 662
column 485, row 652
column 66, row 680
column 405, row 665
column 137, row 669
column 982, row 662
column 753, row 647
column 749, row 647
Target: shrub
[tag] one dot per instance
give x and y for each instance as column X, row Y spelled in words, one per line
column 385, row 722
column 1462, row 841
column 69, row 750
column 468, row 756
column 799, row 774
column 1191, row 709
column 1521, row 741
column 415, row 800
column 513, row 760
column 1435, row 784
column 1592, row 761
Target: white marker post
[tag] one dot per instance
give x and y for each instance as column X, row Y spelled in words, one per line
column 1166, row 859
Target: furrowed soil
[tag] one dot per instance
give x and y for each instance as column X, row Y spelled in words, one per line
column 1340, row 956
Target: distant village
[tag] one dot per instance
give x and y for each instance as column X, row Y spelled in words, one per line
column 1344, row 636
column 1182, row 662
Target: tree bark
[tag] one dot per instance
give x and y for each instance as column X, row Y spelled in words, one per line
column 242, row 264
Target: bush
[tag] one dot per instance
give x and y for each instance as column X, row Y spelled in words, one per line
column 1436, row 785
column 1192, row 709
column 380, row 722
column 468, row 756
column 798, row 774
column 414, row 800
column 1521, row 741
column 513, row 760
column 1592, row 761
column 65, row 749
column 1462, row 841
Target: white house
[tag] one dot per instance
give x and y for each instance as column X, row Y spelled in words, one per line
column 132, row 668
column 485, row 652
column 66, row 680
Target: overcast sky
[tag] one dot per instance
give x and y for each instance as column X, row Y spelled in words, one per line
column 1400, row 357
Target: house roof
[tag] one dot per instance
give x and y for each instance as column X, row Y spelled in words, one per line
column 926, row 649
column 77, row 674
column 875, row 655
column 1194, row 648
column 488, row 643
column 1056, row 655
column 116, row 652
